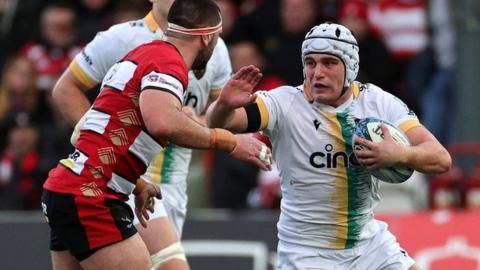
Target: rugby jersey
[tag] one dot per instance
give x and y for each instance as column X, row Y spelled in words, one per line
column 327, row 199
column 114, row 148
column 91, row 65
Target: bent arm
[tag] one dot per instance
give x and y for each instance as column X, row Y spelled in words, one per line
column 426, row 154
column 221, row 116
column 172, row 124
column 69, row 97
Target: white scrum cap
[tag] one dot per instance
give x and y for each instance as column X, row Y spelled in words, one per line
column 334, row 39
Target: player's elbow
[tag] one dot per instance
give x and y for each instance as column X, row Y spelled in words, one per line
column 161, row 129
column 443, row 162
column 59, row 91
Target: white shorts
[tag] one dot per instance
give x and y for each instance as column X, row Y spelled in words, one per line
column 379, row 252
column 172, row 205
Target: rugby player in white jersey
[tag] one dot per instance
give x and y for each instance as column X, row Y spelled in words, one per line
column 170, row 167
column 328, row 196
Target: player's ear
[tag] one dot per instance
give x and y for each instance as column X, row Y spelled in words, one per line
column 206, row 39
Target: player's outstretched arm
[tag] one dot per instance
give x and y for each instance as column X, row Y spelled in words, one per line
column 69, row 97
column 425, row 155
column 165, row 120
column 227, row 111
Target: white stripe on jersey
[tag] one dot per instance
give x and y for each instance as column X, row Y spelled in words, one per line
column 164, row 81
column 96, row 121
column 119, row 75
column 145, row 148
column 120, row 184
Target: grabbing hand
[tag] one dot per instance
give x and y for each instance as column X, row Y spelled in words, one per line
column 145, row 200
column 384, row 154
column 238, row 90
column 252, row 150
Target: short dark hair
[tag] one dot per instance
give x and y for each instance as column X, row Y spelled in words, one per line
column 194, row 13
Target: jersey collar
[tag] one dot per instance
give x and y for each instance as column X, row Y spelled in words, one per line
column 151, row 23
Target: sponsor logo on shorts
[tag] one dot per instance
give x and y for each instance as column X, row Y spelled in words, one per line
column 129, row 221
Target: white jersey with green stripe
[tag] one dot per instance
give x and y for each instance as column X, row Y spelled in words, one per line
column 108, row 47
column 327, row 198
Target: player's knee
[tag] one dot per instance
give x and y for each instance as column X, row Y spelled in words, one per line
column 174, row 251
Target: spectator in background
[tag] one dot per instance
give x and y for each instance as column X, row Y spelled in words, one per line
column 430, row 75
column 279, row 37
column 246, row 53
column 94, row 16
column 229, row 12
column 375, row 56
column 21, row 103
column 20, row 100
column 402, row 25
column 17, row 18
column 55, row 48
column 19, row 170
column 129, row 10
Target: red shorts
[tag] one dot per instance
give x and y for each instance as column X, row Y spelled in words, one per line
column 83, row 225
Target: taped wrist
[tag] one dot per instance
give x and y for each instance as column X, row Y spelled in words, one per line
column 222, row 139
column 139, row 186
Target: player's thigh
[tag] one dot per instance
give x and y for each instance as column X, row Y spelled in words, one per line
column 158, row 235
column 63, row 260
column 175, row 204
column 129, row 254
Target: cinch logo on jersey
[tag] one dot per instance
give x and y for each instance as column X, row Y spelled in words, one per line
column 332, row 159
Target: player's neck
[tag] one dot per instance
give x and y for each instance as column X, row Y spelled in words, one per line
column 344, row 98
column 186, row 47
column 160, row 19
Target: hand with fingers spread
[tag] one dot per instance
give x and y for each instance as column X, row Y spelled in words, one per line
column 145, row 194
column 251, row 149
column 384, row 154
column 238, row 90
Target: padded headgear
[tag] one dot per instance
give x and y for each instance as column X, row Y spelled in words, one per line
column 334, row 39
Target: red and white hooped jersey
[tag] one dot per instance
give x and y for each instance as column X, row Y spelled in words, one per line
column 114, row 148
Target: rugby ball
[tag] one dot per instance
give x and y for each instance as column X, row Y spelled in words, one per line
column 369, row 128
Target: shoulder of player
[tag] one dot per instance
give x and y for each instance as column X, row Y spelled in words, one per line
column 148, row 56
column 284, row 92
column 220, row 46
column 369, row 91
column 220, row 53
column 125, row 30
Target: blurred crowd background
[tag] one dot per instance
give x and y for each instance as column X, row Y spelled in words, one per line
column 407, row 47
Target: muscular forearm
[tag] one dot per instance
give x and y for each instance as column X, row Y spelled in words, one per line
column 218, row 115
column 221, row 116
column 428, row 157
column 172, row 124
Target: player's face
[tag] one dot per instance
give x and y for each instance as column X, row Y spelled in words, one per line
column 205, row 54
column 324, row 75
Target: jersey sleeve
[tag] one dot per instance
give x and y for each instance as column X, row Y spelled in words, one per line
column 223, row 68
column 96, row 58
column 273, row 106
column 164, row 82
column 397, row 112
column 165, row 72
